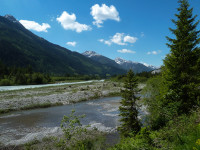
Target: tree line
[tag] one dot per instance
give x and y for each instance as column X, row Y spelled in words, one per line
column 21, row 76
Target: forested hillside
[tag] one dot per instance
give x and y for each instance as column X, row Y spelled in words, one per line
column 20, row 47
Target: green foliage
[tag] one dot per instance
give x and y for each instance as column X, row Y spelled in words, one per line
column 21, row 76
column 76, row 136
column 28, row 146
column 71, row 126
column 76, row 78
column 180, row 66
column 118, row 78
column 141, row 140
column 5, row 82
column 181, row 133
column 152, row 93
column 73, row 131
column 142, row 77
column 128, row 109
column 176, row 91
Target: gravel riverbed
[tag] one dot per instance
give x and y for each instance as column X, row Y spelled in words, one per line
column 65, row 94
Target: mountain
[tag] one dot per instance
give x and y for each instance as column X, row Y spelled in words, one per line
column 101, row 59
column 119, row 62
column 19, row 47
column 158, row 70
column 135, row 66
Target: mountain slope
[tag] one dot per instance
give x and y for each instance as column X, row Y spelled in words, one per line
column 20, row 47
column 135, row 66
column 101, row 59
column 119, row 62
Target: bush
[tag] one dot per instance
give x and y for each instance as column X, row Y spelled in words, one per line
column 5, row 82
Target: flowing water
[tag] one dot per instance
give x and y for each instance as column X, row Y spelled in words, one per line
column 23, row 126
column 19, row 87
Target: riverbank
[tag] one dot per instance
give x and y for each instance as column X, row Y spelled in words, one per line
column 56, row 95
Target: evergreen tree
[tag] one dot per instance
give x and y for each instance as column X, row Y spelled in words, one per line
column 128, row 109
column 181, row 72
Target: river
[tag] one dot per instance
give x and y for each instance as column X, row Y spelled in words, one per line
column 19, row 87
column 23, row 126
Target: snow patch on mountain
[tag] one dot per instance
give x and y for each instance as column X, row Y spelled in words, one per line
column 90, row 54
column 121, row 61
column 11, row 18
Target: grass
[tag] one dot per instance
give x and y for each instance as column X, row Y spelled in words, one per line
column 182, row 133
column 112, row 94
column 92, row 140
column 31, row 106
column 3, row 111
column 40, row 105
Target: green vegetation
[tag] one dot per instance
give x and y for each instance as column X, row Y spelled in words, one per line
column 21, row 76
column 172, row 98
column 31, row 106
column 181, row 133
column 74, row 78
column 178, row 91
column 128, row 111
column 180, row 71
column 142, row 77
column 42, row 105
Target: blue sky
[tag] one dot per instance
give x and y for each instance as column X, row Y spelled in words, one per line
column 131, row 29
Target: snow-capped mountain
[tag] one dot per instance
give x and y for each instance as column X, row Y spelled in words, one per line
column 156, row 71
column 90, row 54
column 102, row 59
column 119, row 62
column 150, row 66
column 12, row 19
column 135, row 66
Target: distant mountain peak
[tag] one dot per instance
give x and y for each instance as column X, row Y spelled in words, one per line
column 150, row 66
column 121, row 61
column 90, row 53
column 11, row 18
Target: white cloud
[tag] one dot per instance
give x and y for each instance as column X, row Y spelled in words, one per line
column 69, row 22
column 71, row 43
column 154, row 52
column 102, row 13
column 119, row 39
column 105, row 42
column 126, row 51
column 101, row 40
column 130, row 39
column 32, row 25
column 108, row 43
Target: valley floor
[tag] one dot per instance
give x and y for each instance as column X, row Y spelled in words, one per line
column 59, row 95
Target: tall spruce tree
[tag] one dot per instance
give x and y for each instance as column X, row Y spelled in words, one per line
column 128, row 109
column 181, row 66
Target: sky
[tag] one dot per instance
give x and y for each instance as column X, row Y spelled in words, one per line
column 134, row 30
